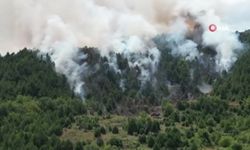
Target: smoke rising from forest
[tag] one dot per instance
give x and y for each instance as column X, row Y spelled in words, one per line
column 126, row 27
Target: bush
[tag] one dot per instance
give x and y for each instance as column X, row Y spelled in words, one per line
column 115, row 130
column 110, row 129
column 150, row 141
column 142, row 139
column 194, row 146
column 189, row 133
column 97, row 132
column 211, row 122
column 91, row 147
column 182, row 105
column 99, row 142
column 87, row 123
column 57, row 130
column 132, row 126
column 103, row 130
column 156, row 147
column 173, row 138
column 79, row 146
column 40, row 139
column 155, row 127
column 66, row 145
column 115, row 142
column 168, row 108
column 225, row 141
column 236, row 146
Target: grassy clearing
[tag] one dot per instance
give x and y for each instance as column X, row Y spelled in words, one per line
column 74, row 134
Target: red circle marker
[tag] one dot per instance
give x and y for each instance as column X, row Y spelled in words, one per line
column 212, row 28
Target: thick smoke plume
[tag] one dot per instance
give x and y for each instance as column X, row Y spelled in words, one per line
column 127, row 27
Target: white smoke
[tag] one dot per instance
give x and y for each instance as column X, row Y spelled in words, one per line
column 60, row 43
column 205, row 88
column 140, row 53
column 58, row 27
column 225, row 41
column 177, row 41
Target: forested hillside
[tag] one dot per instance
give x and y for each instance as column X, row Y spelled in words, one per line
column 39, row 111
column 108, row 87
column 25, row 73
column 36, row 103
column 235, row 85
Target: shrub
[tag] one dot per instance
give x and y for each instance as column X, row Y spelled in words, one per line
column 142, row 139
column 97, row 132
column 99, row 142
column 79, row 146
column 40, row 139
column 236, row 146
column 103, row 130
column 225, row 141
column 115, row 130
column 57, row 130
column 194, row 146
column 66, row 145
column 132, row 127
column 150, row 141
column 168, row 108
column 155, row 127
column 156, row 147
column 115, row 142
column 91, row 147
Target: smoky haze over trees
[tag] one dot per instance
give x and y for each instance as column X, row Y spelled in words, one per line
column 126, row 27
column 108, row 74
column 39, row 111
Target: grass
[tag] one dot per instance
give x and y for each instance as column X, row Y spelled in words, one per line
column 130, row 142
column 74, row 134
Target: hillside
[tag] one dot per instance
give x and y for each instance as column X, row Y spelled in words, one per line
column 235, row 84
column 25, row 73
column 121, row 111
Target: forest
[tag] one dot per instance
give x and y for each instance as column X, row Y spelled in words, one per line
column 39, row 111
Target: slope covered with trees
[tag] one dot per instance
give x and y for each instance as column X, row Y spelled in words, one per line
column 175, row 78
column 39, row 111
column 235, row 85
column 36, row 103
column 25, row 73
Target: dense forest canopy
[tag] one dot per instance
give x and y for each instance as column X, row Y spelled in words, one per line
column 26, row 73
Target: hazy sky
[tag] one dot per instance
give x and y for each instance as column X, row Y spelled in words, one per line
column 92, row 22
